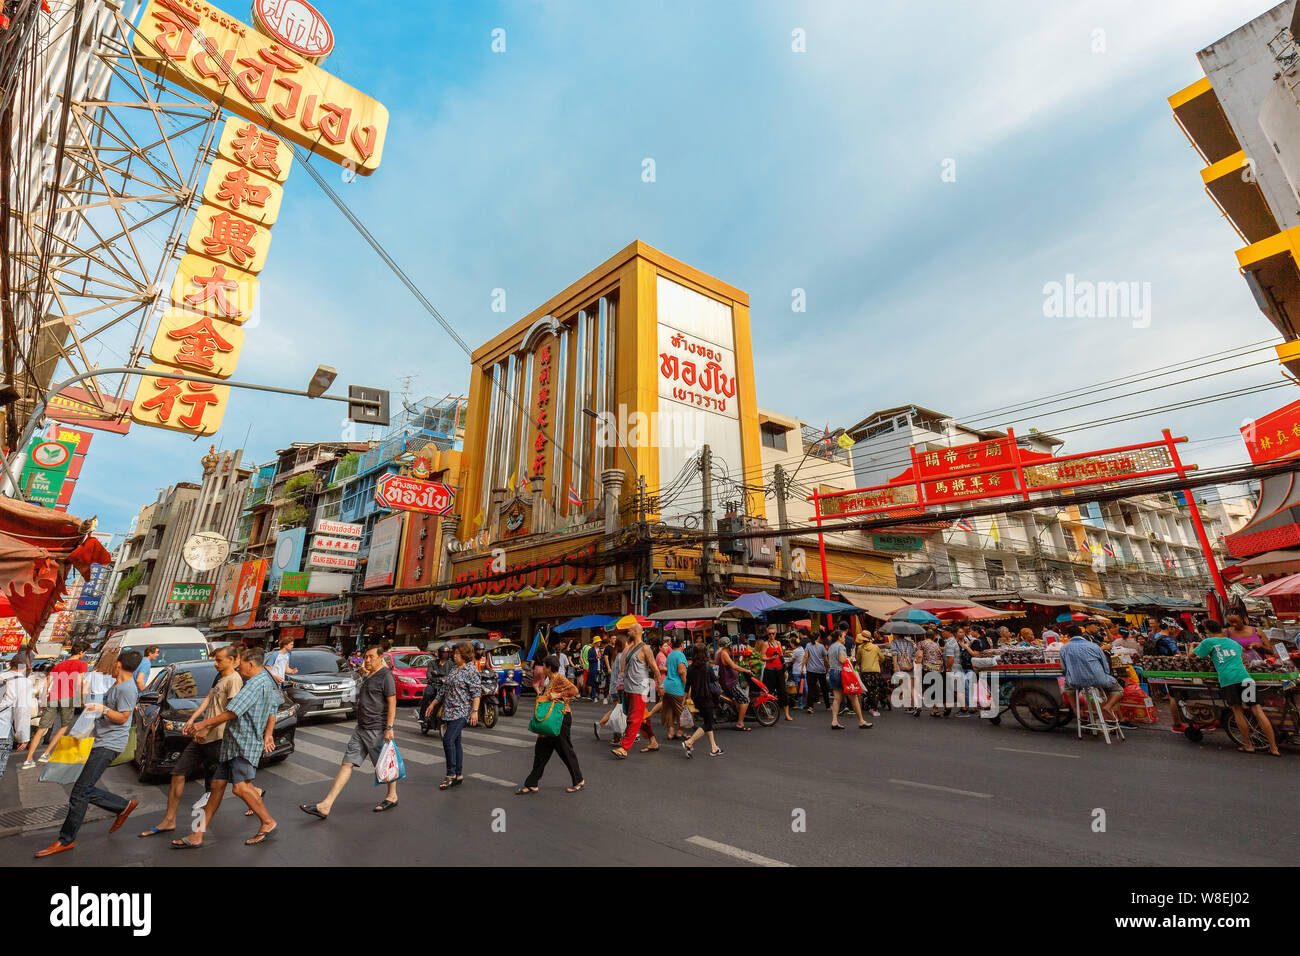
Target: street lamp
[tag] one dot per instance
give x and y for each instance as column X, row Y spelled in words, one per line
column 321, row 380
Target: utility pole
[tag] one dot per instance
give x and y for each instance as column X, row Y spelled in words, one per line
column 706, row 547
column 778, row 478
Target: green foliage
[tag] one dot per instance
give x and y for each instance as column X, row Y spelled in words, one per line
column 133, row 577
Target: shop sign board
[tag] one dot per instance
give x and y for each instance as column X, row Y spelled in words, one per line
column 329, row 561
column 897, row 542
column 76, row 406
column 338, row 529
column 328, row 583
column 285, row 615
column 411, row 494
column 189, row 592
column 381, row 564
column 326, row 542
column 1274, row 436
column 296, row 584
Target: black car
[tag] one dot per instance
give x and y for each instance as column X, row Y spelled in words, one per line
column 320, row 682
column 171, row 700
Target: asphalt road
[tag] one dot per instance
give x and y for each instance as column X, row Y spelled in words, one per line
column 910, row 791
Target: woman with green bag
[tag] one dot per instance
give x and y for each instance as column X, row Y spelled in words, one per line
column 552, row 722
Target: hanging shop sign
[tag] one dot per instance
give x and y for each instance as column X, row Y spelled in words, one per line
column 209, row 288
column 189, row 592
column 165, row 402
column 76, row 406
column 1274, row 436
column 897, row 542
column 385, row 541
column 327, row 542
column 325, row 613
column 329, row 561
column 410, row 494
column 285, row 615
column 339, row 529
column 527, row 578
column 325, row 583
column 296, row 584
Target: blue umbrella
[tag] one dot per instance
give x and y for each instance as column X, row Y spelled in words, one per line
column 916, row 615
column 755, row 603
column 591, row 620
column 793, row 610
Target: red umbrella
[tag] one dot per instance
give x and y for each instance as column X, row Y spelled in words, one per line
column 957, row 610
column 1287, row 585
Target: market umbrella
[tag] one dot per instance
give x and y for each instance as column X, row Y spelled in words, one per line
column 1069, row 616
column 1287, row 585
column 627, row 620
column 755, row 603
column 589, row 620
column 469, row 630
column 806, row 606
column 916, row 615
column 901, row 627
column 959, row 610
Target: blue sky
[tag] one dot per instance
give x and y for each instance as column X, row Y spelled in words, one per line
column 775, row 170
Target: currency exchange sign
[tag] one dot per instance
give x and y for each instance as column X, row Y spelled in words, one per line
column 192, row 43
column 411, row 494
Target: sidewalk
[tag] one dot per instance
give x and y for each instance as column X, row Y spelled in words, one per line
column 27, row 804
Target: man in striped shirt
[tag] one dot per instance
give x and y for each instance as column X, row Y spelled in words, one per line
column 242, row 746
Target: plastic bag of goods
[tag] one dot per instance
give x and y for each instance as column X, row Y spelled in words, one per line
column 1136, row 707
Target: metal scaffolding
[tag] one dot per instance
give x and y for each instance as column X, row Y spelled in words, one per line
column 102, row 163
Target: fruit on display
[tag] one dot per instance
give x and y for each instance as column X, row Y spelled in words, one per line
column 1021, row 655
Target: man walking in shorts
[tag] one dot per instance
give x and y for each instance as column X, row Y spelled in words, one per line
column 376, row 715
column 203, row 756
column 242, row 746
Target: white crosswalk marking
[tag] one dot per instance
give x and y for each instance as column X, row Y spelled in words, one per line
column 405, row 744
column 734, row 851
column 296, row 773
column 486, row 736
column 497, row 780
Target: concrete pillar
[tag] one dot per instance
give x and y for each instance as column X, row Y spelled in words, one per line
column 446, row 534
column 611, row 480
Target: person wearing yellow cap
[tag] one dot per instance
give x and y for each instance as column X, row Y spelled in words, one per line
column 868, row 655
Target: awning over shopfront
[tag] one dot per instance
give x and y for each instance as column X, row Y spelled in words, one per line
column 587, row 620
column 1287, row 585
column 1285, row 561
column 877, row 605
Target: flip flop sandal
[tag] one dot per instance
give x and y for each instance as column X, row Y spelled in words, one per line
column 837, row 726
column 260, row 796
column 447, row 783
column 385, row 806
column 525, row 790
column 620, row 756
column 457, row 781
column 154, row 831
column 261, row 837
column 648, row 750
column 312, row 809
column 867, row 726
column 184, row 844
column 575, row 788
column 745, row 729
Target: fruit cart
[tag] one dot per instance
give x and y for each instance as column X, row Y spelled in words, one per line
column 1027, row 686
column 1196, row 691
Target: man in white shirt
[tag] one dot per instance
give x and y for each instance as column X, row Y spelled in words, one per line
column 279, row 667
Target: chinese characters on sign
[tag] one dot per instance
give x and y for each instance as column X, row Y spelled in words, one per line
column 1274, row 436
column 543, row 406
column 215, row 285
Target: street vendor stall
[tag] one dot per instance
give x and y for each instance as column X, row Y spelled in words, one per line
column 1193, row 685
column 1025, row 683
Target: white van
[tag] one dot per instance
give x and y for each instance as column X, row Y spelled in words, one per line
column 175, row 644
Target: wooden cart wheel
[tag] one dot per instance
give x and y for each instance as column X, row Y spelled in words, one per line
column 1035, row 709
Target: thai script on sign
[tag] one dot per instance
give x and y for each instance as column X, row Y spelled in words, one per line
column 411, row 494
column 1098, row 467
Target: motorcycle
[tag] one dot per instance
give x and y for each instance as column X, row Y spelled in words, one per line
column 762, row 704
column 432, row 722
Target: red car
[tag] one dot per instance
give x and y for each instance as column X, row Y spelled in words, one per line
column 408, row 666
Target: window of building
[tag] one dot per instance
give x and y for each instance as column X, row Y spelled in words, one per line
column 773, row 437
column 953, row 576
column 995, row 571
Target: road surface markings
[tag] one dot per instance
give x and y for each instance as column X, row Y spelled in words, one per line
column 734, row 851
column 1041, row 753
column 935, row 786
column 497, row 780
column 486, row 736
column 406, row 746
column 296, row 773
column 336, row 756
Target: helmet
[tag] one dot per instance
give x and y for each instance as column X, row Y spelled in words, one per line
column 1169, row 622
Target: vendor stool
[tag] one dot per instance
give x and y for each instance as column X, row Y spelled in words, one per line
column 1089, row 716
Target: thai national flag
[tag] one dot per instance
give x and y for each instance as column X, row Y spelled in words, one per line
column 962, row 524
column 1108, row 549
column 574, row 497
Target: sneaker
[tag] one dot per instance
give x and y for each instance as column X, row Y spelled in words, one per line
column 875, row 713
column 43, row 758
column 1125, row 725
column 687, row 748
column 717, row 753
column 1179, row 728
column 28, row 764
